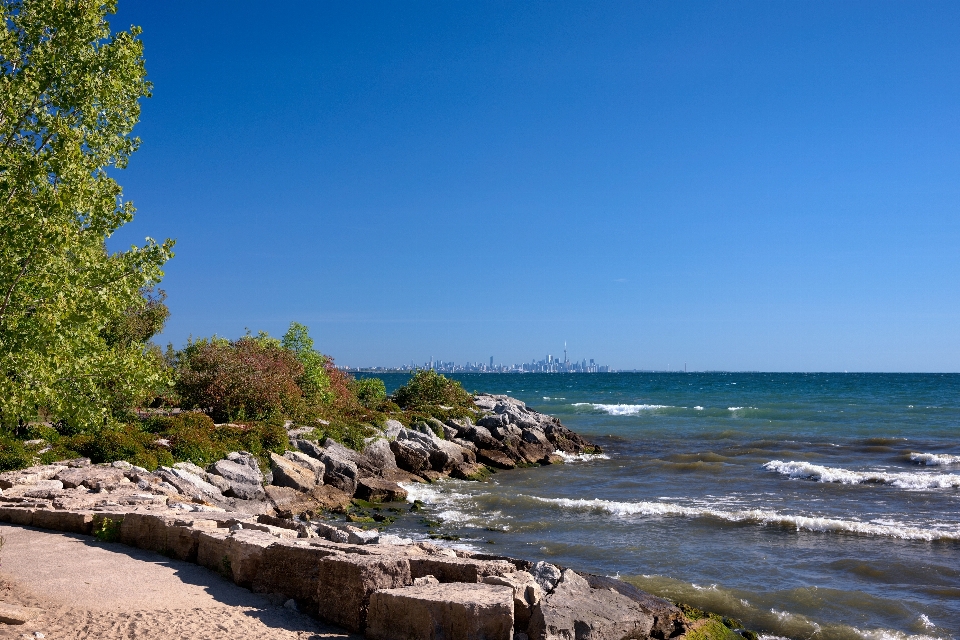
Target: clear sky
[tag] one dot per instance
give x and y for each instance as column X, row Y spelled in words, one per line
column 731, row 185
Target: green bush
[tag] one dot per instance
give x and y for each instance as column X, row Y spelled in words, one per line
column 107, row 530
column 349, row 434
column 371, row 392
column 429, row 394
column 13, row 454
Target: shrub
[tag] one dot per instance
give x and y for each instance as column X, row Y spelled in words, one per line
column 13, row 454
column 427, row 390
column 194, row 437
column 370, row 392
column 107, row 530
column 253, row 378
column 122, row 442
column 349, row 434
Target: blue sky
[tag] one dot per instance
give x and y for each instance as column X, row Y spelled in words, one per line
column 742, row 186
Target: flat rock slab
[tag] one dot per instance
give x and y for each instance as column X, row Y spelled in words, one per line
column 441, row 612
column 16, row 614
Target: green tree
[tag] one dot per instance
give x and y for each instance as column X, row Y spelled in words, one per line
column 69, row 99
column 314, row 382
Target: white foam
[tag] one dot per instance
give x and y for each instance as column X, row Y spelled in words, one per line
column 549, row 398
column 934, row 459
column 758, row 516
column 739, row 408
column 698, row 408
column 622, row 409
column 581, row 457
column 903, row 480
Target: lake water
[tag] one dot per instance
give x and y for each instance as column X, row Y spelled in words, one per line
column 808, row 505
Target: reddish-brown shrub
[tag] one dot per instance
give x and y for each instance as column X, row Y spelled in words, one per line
column 252, row 378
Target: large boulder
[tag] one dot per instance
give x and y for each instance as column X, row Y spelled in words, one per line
column 410, row 456
column 379, row 490
column 245, row 480
column 441, row 612
column 526, row 594
column 668, row 620
column 340, row 465
column 574, row 610
column 345, row 583
column 95, row 478
column 378, row 457
column 189, row 484
column 289, row 474
column 309, row 462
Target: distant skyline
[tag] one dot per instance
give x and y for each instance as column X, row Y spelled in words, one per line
column 738, row 186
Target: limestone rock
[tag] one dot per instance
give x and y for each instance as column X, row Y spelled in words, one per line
column 546, row 575
column 309, row 462
column 188, row 483
column 495, row 459
column 244, row 481
column 574, row 610
column 526, row 594
column 377, row 490
column 345, row 583
column 441, row 612
column 410, row 456
column 668, row 620
column 379, row 456
column 341, row 467
column 292, row 475
column 95, row 478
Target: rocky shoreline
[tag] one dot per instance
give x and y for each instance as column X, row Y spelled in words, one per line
column 261, row 529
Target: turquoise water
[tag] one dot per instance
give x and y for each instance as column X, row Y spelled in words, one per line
column 809, row 505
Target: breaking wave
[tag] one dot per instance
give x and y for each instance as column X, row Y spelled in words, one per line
column 760, row 517
column 581, row 457
column 622, row 409
column 934, row 459
column 904, row 480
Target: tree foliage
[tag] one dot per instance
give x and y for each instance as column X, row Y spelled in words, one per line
column 69, row 99
column 427, row 388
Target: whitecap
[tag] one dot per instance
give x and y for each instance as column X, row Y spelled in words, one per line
column 903, row 480
column 757, row 516
column 622, row 409
column 934, row 459
column 581, row 457
column 698, row 408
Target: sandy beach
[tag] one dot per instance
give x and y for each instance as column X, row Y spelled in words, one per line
column 90, row 589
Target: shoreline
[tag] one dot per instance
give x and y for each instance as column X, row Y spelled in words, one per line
column 361, row 579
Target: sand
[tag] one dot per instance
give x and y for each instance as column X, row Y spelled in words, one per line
column 90, row 589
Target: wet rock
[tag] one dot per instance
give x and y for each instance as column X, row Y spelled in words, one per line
column 451, row 611
column 495, row 458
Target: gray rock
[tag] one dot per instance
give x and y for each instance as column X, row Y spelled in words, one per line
column 309, row 462
column 245, row 481
column 441, row 611
column 310, row 448
column 546, row 575
column 340, row 467
column 189, row 484
column 378, row 455
column 574, row 610
column 391, row 428
column 526, row 594
column 364, row 537
column 292, row 475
